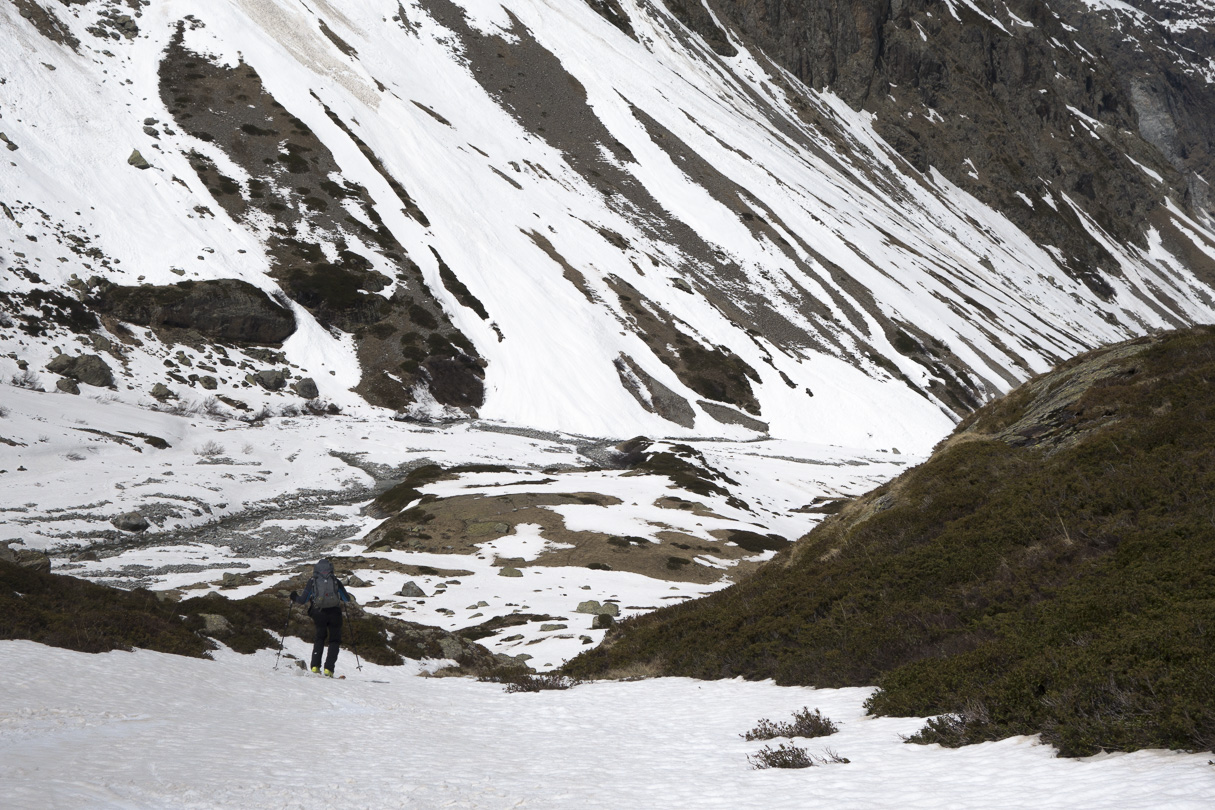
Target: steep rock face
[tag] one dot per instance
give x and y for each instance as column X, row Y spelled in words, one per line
column 1022, row 104
column 1160, row 51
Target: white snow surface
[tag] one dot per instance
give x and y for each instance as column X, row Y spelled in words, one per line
column 146, row 730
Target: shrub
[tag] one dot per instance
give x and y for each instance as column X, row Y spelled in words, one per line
column 805, row 723
column 520, row 680
column 209, row 450
column 782, row 756
column 27, row 379
column 211, row 407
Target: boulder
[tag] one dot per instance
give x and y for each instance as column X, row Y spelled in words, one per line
column 509, row 572
column 548, row 628
column 130, row 522
column 215, row 624
column 89, row 369
column 67, row 386
column 271, row 379
column 595, row 609
column 161, row 392
column 411, row 590
column 208, row 382
column 137, row 160
column 231, row 580
column 306, row 388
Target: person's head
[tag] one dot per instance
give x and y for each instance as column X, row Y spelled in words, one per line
column 323, row 567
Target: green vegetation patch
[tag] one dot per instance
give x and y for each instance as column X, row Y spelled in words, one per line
column 67, row 612
column 393, row 500
column 1051, row 569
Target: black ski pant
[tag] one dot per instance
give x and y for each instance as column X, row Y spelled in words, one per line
column 328, row 623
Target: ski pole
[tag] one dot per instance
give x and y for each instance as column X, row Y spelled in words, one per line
column 283, row 636
column 354, row 639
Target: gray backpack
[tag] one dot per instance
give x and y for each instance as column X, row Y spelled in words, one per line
column 325, row 593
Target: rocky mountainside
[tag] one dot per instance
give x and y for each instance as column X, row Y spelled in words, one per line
column 849, row 221
column 1048, row 570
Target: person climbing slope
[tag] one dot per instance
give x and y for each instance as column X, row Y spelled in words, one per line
column 324, row 596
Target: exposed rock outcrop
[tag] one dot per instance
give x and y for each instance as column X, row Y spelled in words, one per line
column 223, row 310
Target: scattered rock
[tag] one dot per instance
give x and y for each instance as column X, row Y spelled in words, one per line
column 509, row 572
column 130, row 522
column 306, row 388
column 208, row 382
column 86, row 556
column 548, row 628
column 486, row 529
column 12, row 147
column 67, row 386
column 411, row 589
column 89, row 369
column 137, row 160
column 603, row 621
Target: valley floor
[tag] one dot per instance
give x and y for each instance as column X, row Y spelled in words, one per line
column 145, row 730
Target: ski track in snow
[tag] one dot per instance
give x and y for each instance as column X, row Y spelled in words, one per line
column 145, row 730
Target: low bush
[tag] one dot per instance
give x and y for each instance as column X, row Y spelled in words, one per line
column 782, row 756
column 805, row 723
column 67, row 612
column 523, row 680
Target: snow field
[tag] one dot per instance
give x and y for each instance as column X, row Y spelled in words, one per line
column 265, row 499
column 145, row 730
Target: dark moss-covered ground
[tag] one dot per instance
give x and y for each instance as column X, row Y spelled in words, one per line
column 63, row 611
column 1050, row 569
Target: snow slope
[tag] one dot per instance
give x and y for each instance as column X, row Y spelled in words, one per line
column 748, row 213
column 235, row 733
